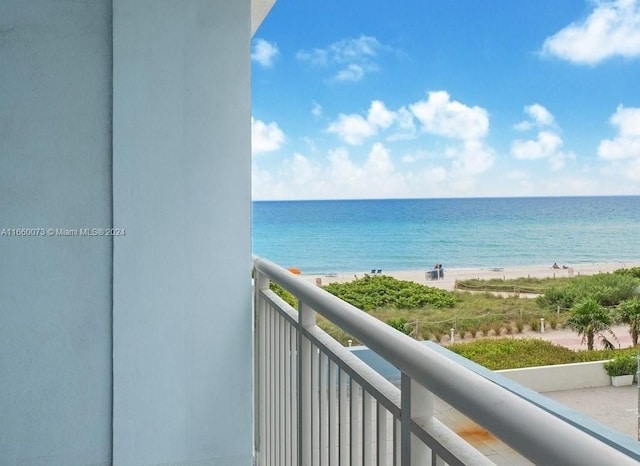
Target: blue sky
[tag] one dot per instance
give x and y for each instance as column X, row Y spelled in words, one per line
column 457, row 98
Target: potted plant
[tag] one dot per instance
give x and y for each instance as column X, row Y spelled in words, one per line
column 621, row 370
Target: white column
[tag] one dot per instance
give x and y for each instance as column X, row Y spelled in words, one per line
column 182, row 322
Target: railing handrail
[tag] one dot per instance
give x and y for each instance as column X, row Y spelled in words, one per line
column 535, row 433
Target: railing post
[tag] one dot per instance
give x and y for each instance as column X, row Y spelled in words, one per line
column 306, row 318
column 416, row 404
column 260, row 283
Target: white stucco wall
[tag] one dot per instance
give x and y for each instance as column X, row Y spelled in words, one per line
column 55, row 292
column 166, row 308
column 561, row 376
column 182, row 276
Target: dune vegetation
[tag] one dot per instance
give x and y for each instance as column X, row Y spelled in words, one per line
column 587, row 304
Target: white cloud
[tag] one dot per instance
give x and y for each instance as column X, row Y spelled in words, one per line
column 379, row 115
column 316, row 109
column 353, row 72
column 438, row 115
column 351, row 59
column 379, row 161
column 612, row 29
column 341, row 174
column 264, row 52
column 265, row 137
column 442, row 116
column 413, row 157
column 354, row 129
column 471, row 158
column 546, row 146
column 624, row 149
column 539, row 117
column 405, row 127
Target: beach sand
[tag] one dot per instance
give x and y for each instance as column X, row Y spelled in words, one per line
column 451, row 275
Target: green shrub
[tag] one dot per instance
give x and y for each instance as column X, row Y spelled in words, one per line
column 284, row 294
column 400, row 324
column 632, row 272
column 514, row 353
column 609, row 289
column 621, row 365
column 375, row 292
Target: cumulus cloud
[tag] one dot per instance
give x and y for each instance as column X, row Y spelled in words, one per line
column 548, row 143
column 265, row 137
column 354, row 128
column 546, row 146
column 612, row 29
column 539, row 117
column 467, row 126
column 404, row 127
column 442, row 116
column 624, row 150
column 264, row 52
column 339, row 175
column 471, row 158
column 349, row 59
column 379, row 115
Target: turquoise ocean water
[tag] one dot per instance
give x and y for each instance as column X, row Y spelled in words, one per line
column 414, row 234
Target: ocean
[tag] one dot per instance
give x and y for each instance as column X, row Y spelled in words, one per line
column 321, row 237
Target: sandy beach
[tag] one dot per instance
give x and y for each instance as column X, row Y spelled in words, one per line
column 451, row 275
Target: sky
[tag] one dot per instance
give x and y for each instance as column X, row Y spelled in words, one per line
column 446, row 98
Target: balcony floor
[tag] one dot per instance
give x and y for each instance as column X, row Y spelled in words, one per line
column 615, row 407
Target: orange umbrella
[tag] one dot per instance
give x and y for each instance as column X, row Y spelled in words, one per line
column 294, row 270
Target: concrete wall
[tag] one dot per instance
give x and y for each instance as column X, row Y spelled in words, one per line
column 167, row 307
column 55, row 292
column 539, row 379
column 561, row 376
column 182, row 276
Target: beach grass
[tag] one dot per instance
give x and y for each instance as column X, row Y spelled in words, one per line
column 514, row 285
column 480, row 314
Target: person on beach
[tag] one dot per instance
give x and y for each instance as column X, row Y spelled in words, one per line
column 555, row 266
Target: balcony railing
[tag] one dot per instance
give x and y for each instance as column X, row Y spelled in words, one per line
column 316, row 403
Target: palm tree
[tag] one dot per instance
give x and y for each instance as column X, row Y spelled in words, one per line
column 630, row 314
column 589, row 319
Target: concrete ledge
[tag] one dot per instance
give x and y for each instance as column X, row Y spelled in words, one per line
column 560, row 377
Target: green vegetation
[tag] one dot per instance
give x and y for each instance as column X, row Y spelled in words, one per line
column 284, row 294
column 514, row 353
column 621, row 365
column 400, row 324
column 609, row 289
column 518, row 285
column 424, row 312
column 632, row 272
column 590, row 319
column 630, row 315
column 373, row 292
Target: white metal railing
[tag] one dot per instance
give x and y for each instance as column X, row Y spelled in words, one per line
column 316, row 403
